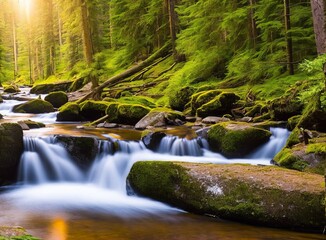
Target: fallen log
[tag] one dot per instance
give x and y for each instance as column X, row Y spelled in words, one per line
column 162, row 52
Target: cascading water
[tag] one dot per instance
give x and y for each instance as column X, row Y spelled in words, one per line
column 52, row 181
column 44, row 160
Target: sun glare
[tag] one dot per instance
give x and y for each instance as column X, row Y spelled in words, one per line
column 25, row 5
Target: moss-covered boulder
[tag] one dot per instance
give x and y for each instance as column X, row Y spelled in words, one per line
column 93, row 110
column 283, row 108
column 160, row 117
column 269, row 196
column 29, row 124
column 57, row 99
column 69, row 112
column 34, row 106
column 126, row 113
column 307, row 158
column 11, row 148
column 200, row 98
column 51, row 87
column 11, row 89
column 141, row 100
column 179, row 100
column 219, row 105
column 236, row 139
column 112, row 112
column 293, row 122
column 83, row 150
column 131, row 113
column 314, row 115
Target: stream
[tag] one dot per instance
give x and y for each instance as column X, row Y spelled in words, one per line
column 55, row 200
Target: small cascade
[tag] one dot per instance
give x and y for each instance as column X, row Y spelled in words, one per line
column 182, row 147
column 44, row 161
column 273, row 146
column 7, row 106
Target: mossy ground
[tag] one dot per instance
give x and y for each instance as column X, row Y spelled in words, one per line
column 14, row 233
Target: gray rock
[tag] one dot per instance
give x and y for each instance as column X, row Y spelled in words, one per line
column 214, row 120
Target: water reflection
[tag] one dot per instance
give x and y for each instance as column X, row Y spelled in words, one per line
column 58, row 229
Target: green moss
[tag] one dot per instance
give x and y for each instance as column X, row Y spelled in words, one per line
column 131, row 114
column 287, row 159
column 318, row 148
column 34, row 106
column 314, row 117
column 293, row 122
column 145, row 101
column 236, row 140
column 32, row 124
column 293, row 138
column 181, row 98
column 93, row 110
column 69, row 112
column 200, row 98
column 57, row 99
column 231, row 192
column 11, row 89
column 112, row 112
column 171, row 114
column 51, row 87
column 219, row 105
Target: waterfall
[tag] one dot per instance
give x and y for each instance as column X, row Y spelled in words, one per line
column 44, row 160
column 182, row 147
column 273, row 146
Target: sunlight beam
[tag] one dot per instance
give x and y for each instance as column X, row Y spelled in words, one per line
column 25, row 5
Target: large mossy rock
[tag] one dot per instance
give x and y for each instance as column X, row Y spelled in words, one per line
column 93, row 110
column 57, row 99
column 11, row 89
column 213, row 103
column 236, row 139
column 219, row 105
column 83, row 150
column 160, row 117
column 11, row 149
column 69, row 112
column 51, row 87
column 307, row 158
column 34, row 106
column 126, row 113
column 314, row 115
column 282, row 109
column 180, row 99
column 200, row 98
column 269, row 196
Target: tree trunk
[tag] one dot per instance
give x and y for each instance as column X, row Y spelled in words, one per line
column 87, row 40
column 253, row 25
column 287, row 16
column 129, row 72
column 15, row 49
column 172, row 22
column 318, row 11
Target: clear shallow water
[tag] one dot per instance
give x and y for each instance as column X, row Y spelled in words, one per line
column 56, row 200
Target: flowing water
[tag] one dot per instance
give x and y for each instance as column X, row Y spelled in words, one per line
column 56, row 200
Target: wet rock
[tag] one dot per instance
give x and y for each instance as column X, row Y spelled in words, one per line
column 153, row 139
column 57, row 99
column 179, row 100
column 31, row 124
column 214, row 120
column 34, row 106
column 69, row 112
column 11, row 149
column 160, row 117
column 83, row 150
column 269, row 196
column 219, row 105
column 51, row 87
column 245, row 119
column 236, row 139
column 191, row 119
column 107, row 125
column 93, row 110
column 11, row 89
column 309, row 157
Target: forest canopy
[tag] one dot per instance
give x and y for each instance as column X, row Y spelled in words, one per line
column 243, row 41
